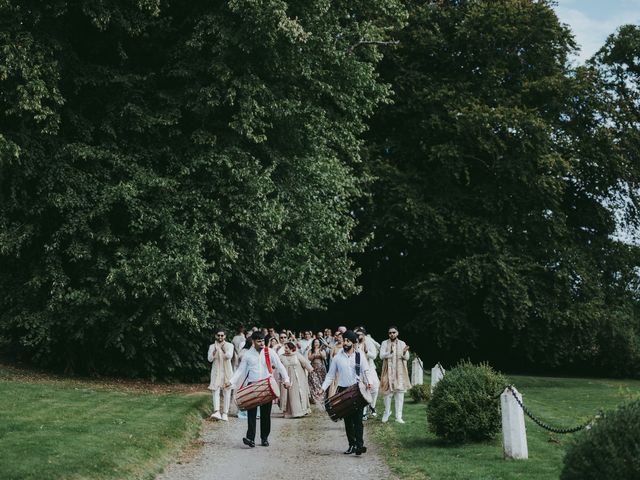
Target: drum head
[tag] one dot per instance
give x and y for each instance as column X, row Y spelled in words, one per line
column 275, row 388
column 364, row 391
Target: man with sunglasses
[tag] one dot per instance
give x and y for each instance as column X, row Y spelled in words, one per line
column 394, row 380
column 282, row 339
column 219, row 355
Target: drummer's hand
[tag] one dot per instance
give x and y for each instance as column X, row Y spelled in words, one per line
column 406, row 348
column 287, row 385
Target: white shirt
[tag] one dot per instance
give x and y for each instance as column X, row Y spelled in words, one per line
column 376, row 344
column 305, row 346
column 345, row 366
column 238, row 342
column 372, row 350
column 253, row 367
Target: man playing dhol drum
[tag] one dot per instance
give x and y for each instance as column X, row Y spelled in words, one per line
column 255, row 366
column 347, row 368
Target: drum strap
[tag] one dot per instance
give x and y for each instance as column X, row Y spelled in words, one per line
column 358, row 364
column 267, row 359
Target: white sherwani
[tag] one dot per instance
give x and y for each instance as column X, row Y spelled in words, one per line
column 220, row 355
column 395, row 374
column 372, row 353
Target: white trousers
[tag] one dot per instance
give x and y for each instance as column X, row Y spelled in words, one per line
column 399, row 397
column 216, row 400
column 374, row 397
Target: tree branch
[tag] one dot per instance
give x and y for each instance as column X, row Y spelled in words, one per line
column 362, row 41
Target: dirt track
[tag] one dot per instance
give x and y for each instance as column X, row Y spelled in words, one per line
column 309, row 448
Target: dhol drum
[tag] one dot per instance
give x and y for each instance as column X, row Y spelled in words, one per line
column 258, row 393
column 343, row 403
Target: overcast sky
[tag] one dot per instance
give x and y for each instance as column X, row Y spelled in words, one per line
column 592, row 21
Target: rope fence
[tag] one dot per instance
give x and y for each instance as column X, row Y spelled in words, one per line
column 513, row 425
column 546, row 426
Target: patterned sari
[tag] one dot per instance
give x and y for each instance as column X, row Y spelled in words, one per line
column 317, row 376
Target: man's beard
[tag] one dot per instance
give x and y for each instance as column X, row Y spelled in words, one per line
column 259, row 347
column 347, row 348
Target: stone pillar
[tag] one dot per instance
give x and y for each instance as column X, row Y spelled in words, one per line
column 437, row 372
column 417, row 372
column 514, row 436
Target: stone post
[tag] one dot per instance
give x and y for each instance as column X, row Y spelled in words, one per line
column 417, row 372
column 437, row 372
column 514, row 436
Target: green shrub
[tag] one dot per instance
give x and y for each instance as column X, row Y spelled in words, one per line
column 463, row 406
column 420, row 393
column 609, row 450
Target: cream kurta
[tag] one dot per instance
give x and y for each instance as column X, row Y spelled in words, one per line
column 370, row 353
column 294, row 401
column 395, row 374
column 220, row 355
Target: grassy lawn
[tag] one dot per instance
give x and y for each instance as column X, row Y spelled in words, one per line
column 85, row 430
column 414, row 453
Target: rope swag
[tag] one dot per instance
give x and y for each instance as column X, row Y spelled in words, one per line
column 545, row 425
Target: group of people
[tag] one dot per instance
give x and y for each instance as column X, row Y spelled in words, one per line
column 310, row 367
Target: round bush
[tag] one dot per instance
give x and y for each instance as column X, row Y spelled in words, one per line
column 463, row 407
column 609, row 450
column 420, row 393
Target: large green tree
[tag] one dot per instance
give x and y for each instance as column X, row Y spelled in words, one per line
column 497, row 179
column 169, row 166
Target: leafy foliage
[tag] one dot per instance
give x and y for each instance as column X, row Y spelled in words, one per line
column 167, row 167
column 609, row 450
column 463, row 406
column 498, row 169
column 420, row 393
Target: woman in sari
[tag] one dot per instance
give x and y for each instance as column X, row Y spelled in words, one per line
column 294, row 401
column 317, row 357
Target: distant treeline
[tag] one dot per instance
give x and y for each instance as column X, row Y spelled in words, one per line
column 168, row 168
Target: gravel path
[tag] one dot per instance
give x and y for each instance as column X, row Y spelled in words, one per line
column 309, row 448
